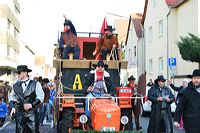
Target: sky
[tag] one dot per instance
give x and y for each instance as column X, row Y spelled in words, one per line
column 42, row 20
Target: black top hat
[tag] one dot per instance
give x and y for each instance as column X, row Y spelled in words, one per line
column 131, row 78
column 66, row 23
column 23, row 68
column 109, row 28
column 161, row 78
column 196, row 72
column 100, row 63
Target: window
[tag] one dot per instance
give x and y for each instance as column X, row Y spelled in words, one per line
column 161, row 64
column 154, row 3
column 16, row 10
column 11, row 29
column 130, row 54
column 135, row 51
column 3, row 48
column 16, row 33
column 8, row 50
column 8, row 26
column 15, row 54
column 150, row 34
column 151, row 66
column 11, row 52
column 160, row 28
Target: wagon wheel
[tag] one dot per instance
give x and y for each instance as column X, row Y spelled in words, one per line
column 67, row 119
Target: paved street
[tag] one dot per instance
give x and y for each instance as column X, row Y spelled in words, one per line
column 9, row 127
column 145, row 122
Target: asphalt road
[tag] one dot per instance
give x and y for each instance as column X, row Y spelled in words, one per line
column 9, row 126
column 145, row 121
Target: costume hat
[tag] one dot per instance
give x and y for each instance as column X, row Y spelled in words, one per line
column 161, row 78
column 66, row 23
column 109, row 28
column 196, row 72
column 100, row 63
column 22, row 68
column 131, row 78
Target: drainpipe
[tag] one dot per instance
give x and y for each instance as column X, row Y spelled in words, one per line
column 144, row 54
column 168, row 48
column 144, row 51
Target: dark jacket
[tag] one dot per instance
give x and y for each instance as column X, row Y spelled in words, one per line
column 89, row 80
column 46, row 90
column 72, row 30
column 106, row 42
column 136, row 103
column 26, row 120
column 189, row 107
column 178, row 89
column 155, row 125
column 29, row 95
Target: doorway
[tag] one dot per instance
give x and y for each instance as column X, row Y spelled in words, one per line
column 88, row 49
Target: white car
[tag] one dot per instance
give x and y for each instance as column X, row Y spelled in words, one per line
column 146, row 105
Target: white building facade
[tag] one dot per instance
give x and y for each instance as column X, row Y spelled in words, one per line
column 9, row 43
column 164, row 22
column 134, row 35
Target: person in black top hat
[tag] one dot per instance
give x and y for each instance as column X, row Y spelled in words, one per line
column 107, row 43
column 189, row 105
column 131, row 82
column 25, row 97
column 68, row 40
column 161, row 116
column 98, row 83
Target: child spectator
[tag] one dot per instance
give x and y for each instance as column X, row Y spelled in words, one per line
column 52, row 96
column 3, row 111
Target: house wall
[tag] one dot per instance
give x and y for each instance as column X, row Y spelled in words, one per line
column 156, row 48
column 176, row 22
column 182, row 20
column 131, row 52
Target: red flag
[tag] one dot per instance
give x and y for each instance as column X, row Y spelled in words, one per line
column 104, row 26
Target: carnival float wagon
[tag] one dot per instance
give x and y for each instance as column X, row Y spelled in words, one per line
column 107, row 114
